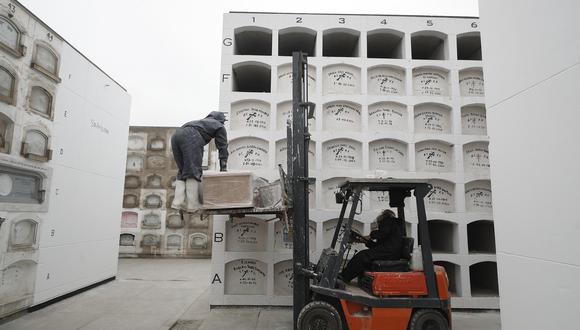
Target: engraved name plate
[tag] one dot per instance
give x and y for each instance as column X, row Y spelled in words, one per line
column 251, row 114
column 245, row 277
column 387, row 116
column 386, row 81
column 388, row 155
column 430, row 82
column 343, row 116
column 248, row 153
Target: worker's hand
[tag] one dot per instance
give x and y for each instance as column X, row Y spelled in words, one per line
column 223, row 165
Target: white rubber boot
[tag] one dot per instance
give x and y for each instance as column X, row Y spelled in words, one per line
column 179, row 198
column 193, row 194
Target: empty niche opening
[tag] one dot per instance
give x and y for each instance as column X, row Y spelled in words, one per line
column 253, row 40
column 151, row 241
column 174, row 221
column 157, row 144
column 478, row 196
column 342, row 153
column 329, row 188
column 483, row 278
column 284, row 278
column 154, row 181
column 388, row 155
column 283, row 241
column 441, row 197
column 20, row 186
column 341, row 79
column 386, row 80
column 251, row 77
column 296, row 39
column 156, row 162
column 248, row 153
column 430, row 81
column 387, row 116
column 41, row 101
column 329, row 228
column 282, row 154
column 151, row 221
column 341, row 116
column 481, row 237
column 385, row 43
column 23, row 234
column 132, row 181
column 129, row 219
column 245, row 277
column 429, row 45
column 474, row 119
column 284, row 114
column 152, row 201
column 127, row 240
column 340, row 43
column 134, row 163
column 35, row 146
column 173, row 242
column 250, row 114
column 432, row 118
column 6, row 131
column 285, row 79
column 18, row 280
column 246, row 234
column 444, row 236
column 454, row 274
column 471, row 82
column 476, row 156
column 130, row 201
column 433, row 156
column 136, row 142
column 469, row 46
column 198, row 241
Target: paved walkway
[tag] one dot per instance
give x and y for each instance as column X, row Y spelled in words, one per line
column 173, row 294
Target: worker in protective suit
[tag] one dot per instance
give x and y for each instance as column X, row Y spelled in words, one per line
column 187, row 144
column 385, row 243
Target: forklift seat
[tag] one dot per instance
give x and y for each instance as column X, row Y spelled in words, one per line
column 402, row 265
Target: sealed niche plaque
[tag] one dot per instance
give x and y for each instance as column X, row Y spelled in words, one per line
column 248, row 153
column 473, row 120
column 136, row 142
column 151, row 221
column 174, row 221
column 283, row 241
column 152, row 201
column 245, row 277
column 386, row 80
column 35, row 146
column 130, row 201
column 151, row 240
column 283, row 278
column 246, row 234
column 20, row 186
column 285, row 79
column 129, row 219
column 478, row 196
column 432, row 118
column 250, row 114
column 433, row 156
column 127, row 240
column 132, row 181
column 23, row 234
column 135, row 163
column 388, row 155
column 282, row 154
column 284, row 113
column 173, row 242
column 387, row 116
column 156, row 162
column 329, row 188
column 18, row 280
column 154, row 181
column 476, row 156
column 441, row 198
column 471, row 82
column 157, row 144
column 198, row 241
column 342, row 153
column 341, row 116
column 341, row 79
column 430, row 82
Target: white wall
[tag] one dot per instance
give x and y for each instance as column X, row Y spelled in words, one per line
column 532, row 51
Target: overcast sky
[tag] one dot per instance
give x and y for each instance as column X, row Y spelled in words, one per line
column 166, row 53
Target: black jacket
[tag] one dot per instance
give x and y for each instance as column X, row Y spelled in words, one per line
column 212, row 127
column 387, row 241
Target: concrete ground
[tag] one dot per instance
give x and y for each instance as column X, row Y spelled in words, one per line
column 173, row 294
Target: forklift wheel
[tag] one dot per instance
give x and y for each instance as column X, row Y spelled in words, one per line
column 428, row 319
column 319, row 315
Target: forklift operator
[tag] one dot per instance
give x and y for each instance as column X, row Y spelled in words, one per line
column 384, row 244
column 187, row 145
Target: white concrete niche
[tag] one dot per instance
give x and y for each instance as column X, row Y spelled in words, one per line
column 250, row 114
column 41, row 101
column 329, row 227
column 444, row 236
column 340, row 42
column 481, row 237
column 251, row 77
column 386, row 80
column 476, row 156
column 284, row 242
column 248, row 153
column 245, row 277
column 483, row 279
column 157, row 144
column 454, row 275
column 282, row 154
column 35, row 145
column 23, row 235
column 129, row 219
column 198, row 241
column 156, row 162
column 285, row 79
column 388, row 116
column 284, row 278
column 18, row 280
column 329, row 188
column 342, row 153
column 441, row 198
column 151, row 220
column 151, row 241
column 135, row 162
column 174, row 242
column 430, row 81
column 153, row 181
column 471, row 82
column 432, row 118
column 469, row 46
column 296, row 38
column 341, row 79
column 174, row 221
column 152, row 201
column 137, row 142
column 474, row 119
column 132, row 181
column 284, row 114
column 246, row 234
column 10, row 36
column 341, row 116
column 478, row 196
column 21, row 186
column 433, row 156
column 388, row 155
column 127, row 239
column 385, row 43
column 429, row 45
column 6, row 133
column 252, row 40
column 130, row 201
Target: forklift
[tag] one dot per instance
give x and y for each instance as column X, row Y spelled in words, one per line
column 390, row 295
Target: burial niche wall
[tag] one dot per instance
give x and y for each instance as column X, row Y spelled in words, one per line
column 250, row 114
column 41, row 101
column 284, row 114
column 174, row 221
column 474, row 119
column 340, row 43
column 430, row 81
column 130, row 201
column 153, row 181
column 129, row 219
column 432, row 118
column 441, row 198
column 248, row 153
column 252, row 40
column 198, row 241
column 476, row 156
column 285, row 79
column 284, row 278
column 444, row 236
column 135, row 162
column 282, row 154
column 136, row 142
column 471, row 83
column 17, row 281
column 478, row 196
column 35, row 146
column 429, row 45
column 295, row 39
column 7, row 86
column 385, row 43
column 245, row 277
column 23, row 235
column 151, row 241
column 10, row 37
column 127, row 240
column 283, row 241
column 388, row 154
column 151, row 220
column 386, row 80
column 341, row 116
column 157, row 144
column 388, row 116
column 253, row 77
column 342, row 154
column 341, row 79
column 46, row 61
column 469, row 46
column 20, row 186
column 173, row 242
column 481, row 237
column 483, row 279
column 433, row 156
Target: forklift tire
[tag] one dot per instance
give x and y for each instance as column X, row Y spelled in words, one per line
column 428, row 319
column 319, row 315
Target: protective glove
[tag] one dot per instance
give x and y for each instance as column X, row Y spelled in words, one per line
column 223, row 165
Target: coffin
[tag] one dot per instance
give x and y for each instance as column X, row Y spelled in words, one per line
column 226, row 190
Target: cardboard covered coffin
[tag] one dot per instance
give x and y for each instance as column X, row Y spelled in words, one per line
column 224, row 190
